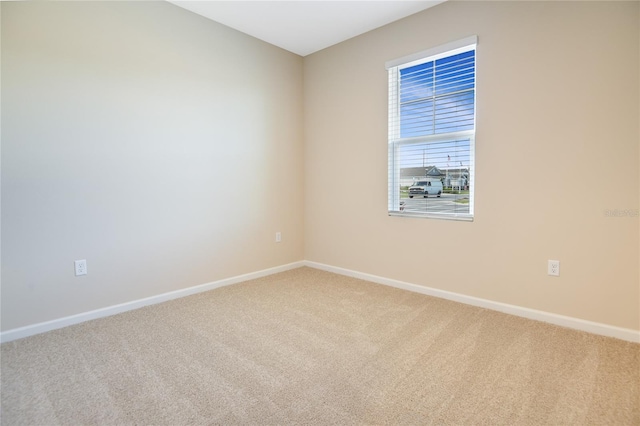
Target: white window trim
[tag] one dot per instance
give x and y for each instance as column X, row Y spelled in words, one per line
column 434, row 53
column 448, row 49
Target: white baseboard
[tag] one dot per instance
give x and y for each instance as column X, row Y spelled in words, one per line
column 30, row 330
column 561, row 320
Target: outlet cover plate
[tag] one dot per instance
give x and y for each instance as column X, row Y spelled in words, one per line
column 81, row 267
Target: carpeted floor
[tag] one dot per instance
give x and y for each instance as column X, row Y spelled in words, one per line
column 311, row 347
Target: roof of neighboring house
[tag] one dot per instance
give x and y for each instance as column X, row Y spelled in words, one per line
column 456, row 173
column 431, row 171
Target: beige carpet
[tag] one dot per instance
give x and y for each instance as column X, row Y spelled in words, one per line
column 310, row 347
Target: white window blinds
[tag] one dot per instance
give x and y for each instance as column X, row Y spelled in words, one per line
column 432, row 132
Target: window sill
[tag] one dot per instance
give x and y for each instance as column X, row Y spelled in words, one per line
column 458, row 217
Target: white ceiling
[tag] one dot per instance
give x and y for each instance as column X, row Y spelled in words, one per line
column 304, row 26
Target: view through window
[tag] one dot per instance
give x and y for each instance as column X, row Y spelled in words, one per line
column 432, row 132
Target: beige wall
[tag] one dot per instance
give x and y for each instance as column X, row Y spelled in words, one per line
column 167, row 150
column 557, row 146
column 160, row 146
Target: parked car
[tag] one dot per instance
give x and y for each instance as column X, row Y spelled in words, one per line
column 426, row 188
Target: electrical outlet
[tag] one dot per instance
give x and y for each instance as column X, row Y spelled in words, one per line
column 554, row 268
column 81, row 267
column 278, row 237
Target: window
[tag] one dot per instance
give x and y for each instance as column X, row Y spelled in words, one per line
column 432, row 132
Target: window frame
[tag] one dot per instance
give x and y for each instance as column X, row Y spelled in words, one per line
column 395, row 141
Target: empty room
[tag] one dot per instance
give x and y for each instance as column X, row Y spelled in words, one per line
column 320, row 212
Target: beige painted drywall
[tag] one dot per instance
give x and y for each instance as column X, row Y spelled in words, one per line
column 167, row 149
column 162, row 147
column 557, row 147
